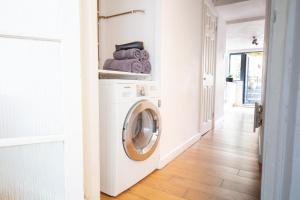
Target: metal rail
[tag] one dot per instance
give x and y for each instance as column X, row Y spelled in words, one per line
column 121, row 14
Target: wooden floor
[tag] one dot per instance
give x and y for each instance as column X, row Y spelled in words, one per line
column 223, row 165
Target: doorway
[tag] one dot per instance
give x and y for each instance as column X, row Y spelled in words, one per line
column 246, row 67
column 243, row 79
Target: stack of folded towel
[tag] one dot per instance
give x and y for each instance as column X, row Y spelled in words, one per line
column 131, row 59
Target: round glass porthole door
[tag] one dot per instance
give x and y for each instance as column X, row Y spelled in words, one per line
column 141, row 132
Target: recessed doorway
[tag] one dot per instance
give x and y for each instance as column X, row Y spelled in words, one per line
column 246, row 70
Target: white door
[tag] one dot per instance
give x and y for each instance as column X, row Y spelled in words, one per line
column 209, row 23
column 40, row 100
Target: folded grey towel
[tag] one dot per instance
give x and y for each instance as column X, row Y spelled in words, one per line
column 137, row 67
column 128, row 54
column 146, row 67
column 129, row 65
column 144, row 55
column 132, row 45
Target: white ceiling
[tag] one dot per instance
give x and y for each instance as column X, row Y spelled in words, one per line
column 245, row 19
column 239, row 35
column 242, row 9
column 225, row 2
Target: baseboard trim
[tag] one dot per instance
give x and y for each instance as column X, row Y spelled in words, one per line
column 176, row 152
column 205, row 127
column 219, row 122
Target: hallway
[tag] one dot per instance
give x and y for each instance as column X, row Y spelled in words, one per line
column 223, row 165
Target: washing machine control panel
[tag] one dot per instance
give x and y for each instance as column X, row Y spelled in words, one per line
column 141, row 90
column 148, row 90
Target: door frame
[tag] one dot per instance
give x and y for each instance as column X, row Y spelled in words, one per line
column 90, row 99
column 71, row 58
column 280, row 101
column 244, row 67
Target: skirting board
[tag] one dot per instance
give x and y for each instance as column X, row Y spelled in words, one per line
column 205, row 127
column 176, row 152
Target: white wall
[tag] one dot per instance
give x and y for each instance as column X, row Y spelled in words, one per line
column 173, row 29
column 127, row 28
column 281, row 161
column 220, row 68
column 180, row 73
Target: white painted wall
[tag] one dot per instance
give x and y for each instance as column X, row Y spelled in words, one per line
column 281, row 161
column 173, row 29
column 127, row 28
column 180, row 73
column 220, row 69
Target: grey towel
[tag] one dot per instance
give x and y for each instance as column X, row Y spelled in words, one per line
column 146, row 67
column 129, row 65
column 137, row 67
column 128, row 54
column 132, row 45
column 144, row 55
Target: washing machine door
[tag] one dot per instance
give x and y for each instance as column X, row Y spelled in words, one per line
column 141, row 131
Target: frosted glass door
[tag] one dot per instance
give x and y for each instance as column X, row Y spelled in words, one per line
column 31, row 88
column 32, row 172
column 40, row 109
column 31, row 120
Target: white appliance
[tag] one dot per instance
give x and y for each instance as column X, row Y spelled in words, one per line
column 130, row 129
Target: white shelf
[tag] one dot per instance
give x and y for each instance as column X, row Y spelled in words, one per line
column 103, row 71
column 127, row 75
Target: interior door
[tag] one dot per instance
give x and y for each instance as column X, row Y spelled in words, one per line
column 40, row 100
column 209, row 22
column 259, row 110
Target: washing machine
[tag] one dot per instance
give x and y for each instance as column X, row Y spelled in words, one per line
column 130, row 130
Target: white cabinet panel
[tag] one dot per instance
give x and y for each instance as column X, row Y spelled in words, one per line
column 32, row 172
column 38, row 18
column 31, row 88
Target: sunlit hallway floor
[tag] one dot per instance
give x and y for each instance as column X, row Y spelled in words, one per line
column 223, row 165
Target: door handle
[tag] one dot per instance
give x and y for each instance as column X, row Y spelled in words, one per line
column 258, row 116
